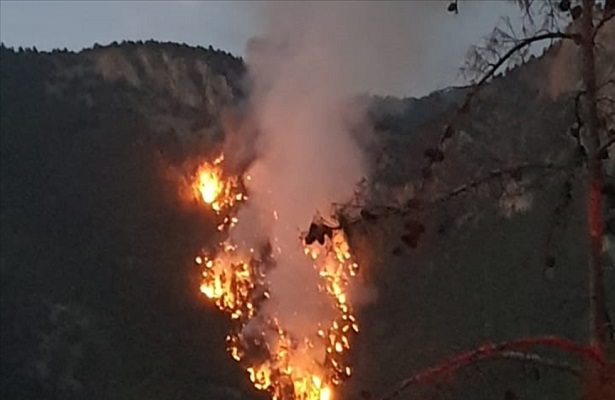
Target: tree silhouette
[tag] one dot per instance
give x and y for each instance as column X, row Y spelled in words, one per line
column 593, row 140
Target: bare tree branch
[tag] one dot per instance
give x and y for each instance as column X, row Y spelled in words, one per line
column 489, row 350
column 522, row 44
column 516, row 172
column 497, row 173
column 465, row 106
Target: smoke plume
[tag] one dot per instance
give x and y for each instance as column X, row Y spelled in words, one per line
column 297, row 139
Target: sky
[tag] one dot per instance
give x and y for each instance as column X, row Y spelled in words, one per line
column 228, row 25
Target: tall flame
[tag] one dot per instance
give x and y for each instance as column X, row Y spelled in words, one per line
column 235, row 280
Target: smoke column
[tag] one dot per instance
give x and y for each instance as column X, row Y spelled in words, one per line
column 300, row 130
column 304, row 72
column 296, row 144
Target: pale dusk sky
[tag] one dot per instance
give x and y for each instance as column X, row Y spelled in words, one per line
column 227, row 25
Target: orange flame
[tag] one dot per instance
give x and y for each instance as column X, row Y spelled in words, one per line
column 235, row 281
column 214, row 189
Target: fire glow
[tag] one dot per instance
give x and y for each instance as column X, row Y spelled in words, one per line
column 287, row 366
column 214, row 189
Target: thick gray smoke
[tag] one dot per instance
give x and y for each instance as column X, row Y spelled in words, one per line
column 304, row 70
column 299, row 132
column 357, row 46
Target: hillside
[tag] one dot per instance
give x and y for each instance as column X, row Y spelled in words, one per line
column 98, row 296
column 98, row 293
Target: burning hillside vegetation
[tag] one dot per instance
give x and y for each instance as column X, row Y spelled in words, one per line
column 286, row 363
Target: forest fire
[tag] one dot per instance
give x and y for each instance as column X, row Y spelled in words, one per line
column 286, row 365
column 214, row 189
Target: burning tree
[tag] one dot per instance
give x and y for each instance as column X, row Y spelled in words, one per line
column 593, row 133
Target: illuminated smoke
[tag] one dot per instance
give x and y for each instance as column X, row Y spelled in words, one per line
column 297, row 141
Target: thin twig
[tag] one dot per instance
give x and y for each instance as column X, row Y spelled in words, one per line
column 606, row 83
column 603, row 21
column 496, row 173
column 536, row 359
column 602, row 151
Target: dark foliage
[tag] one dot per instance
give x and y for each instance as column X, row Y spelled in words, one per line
column 318, row 232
